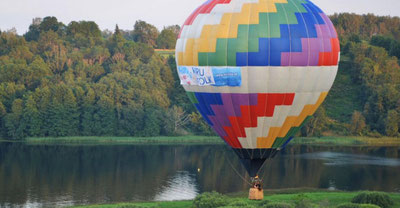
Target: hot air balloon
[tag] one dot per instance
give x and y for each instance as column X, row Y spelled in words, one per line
column 257, row 70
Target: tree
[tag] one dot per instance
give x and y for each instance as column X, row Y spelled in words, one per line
column 176, row 29
column 176, row 118
column 38, row 70
column 153, row 120
column 71, row 118
column 317, row 124
column 166, row 39
column 392, row 123
column 31, row 117
column 145, row 33
column 54, row 51
column 199, row 126
column 116, row 42
column 357, row 123
column 84, row 33
column 85, row 28
column 50, row 23
column 3, row 112
column 105, row 120
column 33, row 33
column 15, row 128
column 87, row 111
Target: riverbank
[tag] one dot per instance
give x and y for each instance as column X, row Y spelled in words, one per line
column 126, row 140
column 309, row 198
column 312, row 141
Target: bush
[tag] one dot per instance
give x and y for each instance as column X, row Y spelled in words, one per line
column 278, row 205
column 352, row 205
column 210, row 200
column 378, row 198
column 303, row 201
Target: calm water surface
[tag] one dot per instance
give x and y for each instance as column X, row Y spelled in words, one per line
column 49, row 176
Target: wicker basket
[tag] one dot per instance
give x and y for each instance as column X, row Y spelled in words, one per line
column 256, row 194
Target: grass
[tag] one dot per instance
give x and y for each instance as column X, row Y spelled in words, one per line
column 126, row 140
column 320, row 198
column 347, row 141
column 312, row 141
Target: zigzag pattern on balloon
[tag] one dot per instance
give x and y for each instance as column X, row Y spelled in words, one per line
column 206, row 8
column 230, row 114
column 291, row 33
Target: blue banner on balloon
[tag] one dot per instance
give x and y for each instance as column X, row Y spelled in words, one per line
column 210, row 76
column 230, row 76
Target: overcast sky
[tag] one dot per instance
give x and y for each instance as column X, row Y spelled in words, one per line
column 108, row 13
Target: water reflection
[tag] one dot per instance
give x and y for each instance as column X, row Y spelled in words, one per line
column 335, row 158
column 36, row 176
column 182, row 186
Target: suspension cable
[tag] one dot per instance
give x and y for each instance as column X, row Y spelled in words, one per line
column 237, row 172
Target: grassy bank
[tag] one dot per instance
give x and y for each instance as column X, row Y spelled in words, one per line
column 347, row 141
column 311, row 198
column 126, row 140
column 317, row 141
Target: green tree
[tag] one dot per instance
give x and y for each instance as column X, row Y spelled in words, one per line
column 392, row 123
column 15, row 129
column 84, row 34
column 33, row 33
column 51, row 23
column 153, row 121
column 53, row 51
column 357, row 123
column 317, row 124
column 3, row 133
column 87, row 111
column 116, row 42
column 176, row 119
column 31, row 117
column 105, row 120
column 145, row 33
column 72, row 115
column 166, row 39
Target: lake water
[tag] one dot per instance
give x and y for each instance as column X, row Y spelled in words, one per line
column 49, row 176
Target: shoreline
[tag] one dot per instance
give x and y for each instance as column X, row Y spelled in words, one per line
column 206, row 140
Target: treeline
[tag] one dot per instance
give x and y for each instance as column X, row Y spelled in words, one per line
column 76, row 80
column 365, row 99
column 65, row 80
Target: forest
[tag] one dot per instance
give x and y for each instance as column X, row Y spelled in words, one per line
column 75, row 80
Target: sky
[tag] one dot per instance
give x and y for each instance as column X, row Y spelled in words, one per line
column 108, row 13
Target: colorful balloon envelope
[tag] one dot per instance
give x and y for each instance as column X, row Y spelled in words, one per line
column 257, row 70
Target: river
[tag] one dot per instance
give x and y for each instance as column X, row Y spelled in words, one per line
column 60, row 175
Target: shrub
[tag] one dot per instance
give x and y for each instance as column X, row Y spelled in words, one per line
column 210, row 200
column 352, row 205
column 378, row 198
column 278, row 205
column 303, row 201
